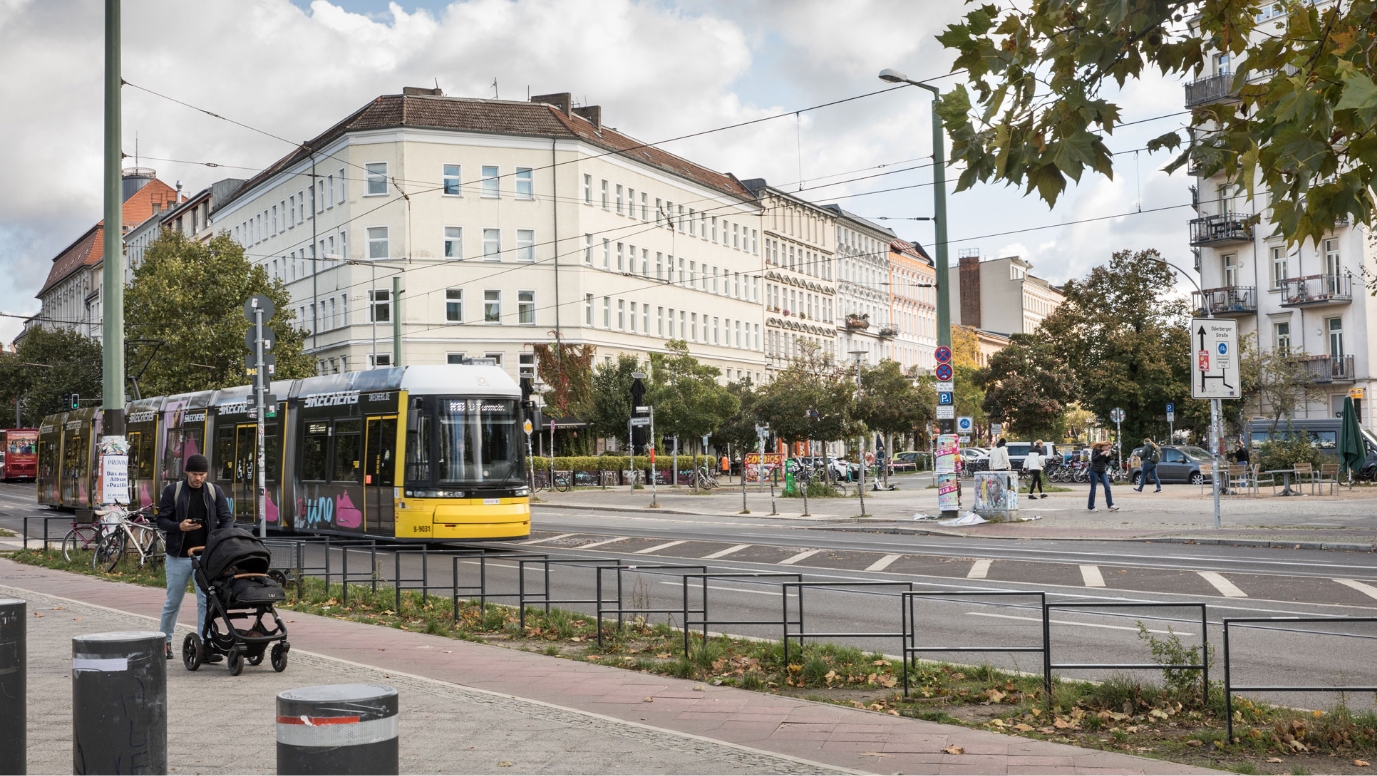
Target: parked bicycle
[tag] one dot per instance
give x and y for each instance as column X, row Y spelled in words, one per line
column 706, row 479
column 120, row 531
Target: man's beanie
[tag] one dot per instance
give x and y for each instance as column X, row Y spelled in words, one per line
column 197, row 463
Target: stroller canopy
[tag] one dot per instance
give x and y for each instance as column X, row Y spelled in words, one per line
column 234, row 548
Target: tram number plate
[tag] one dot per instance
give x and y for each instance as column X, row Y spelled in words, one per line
column 421, row 529
column 488, row 502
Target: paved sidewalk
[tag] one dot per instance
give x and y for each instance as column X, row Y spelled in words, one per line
column 477, row 708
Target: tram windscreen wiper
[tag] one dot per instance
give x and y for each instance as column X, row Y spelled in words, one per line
column 478, row 442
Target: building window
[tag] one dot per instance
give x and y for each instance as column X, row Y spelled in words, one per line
column 714, row 228
column 489, row 185
column 343, row 248
column 377, row 242
column 645, row 318
column 660, row 321
column 1278, row 266
column 454, row 242
column 525, row 245
column 451, row 181
column 454, row 358
column 377, row 178
column 606, row 313
column 526, row 365
column 659, row 265
column 619, row 199
column 525, row 307
column 1281, row 337
column 588, row 309
column 382, row 359
column 492, row 245
column 492, row 306
column 693, row 223
column 736, row 236
column 1335, row 327
column 340, row 201
column 1230, row 271
column 605, row 201
column 621, row 258
column 606, row 254
column 1331, row 258
column 329, row 196
column 693, row 323
column 645, row 206
column 496, row 358
column 454, row 305
column 621, row 314
column 633, row 316
column 587, row 189
column 755, row 244
column 380, row 306
column 659, row 211
column 524, row 187
column 588, row 249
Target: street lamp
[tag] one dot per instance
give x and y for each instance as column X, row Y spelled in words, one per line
column 860, row 446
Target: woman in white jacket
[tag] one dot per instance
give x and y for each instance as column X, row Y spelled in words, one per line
column 999, row 457
column 1032, row 464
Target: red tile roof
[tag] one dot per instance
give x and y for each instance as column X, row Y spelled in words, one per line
column 89, row 249
column 497, row 117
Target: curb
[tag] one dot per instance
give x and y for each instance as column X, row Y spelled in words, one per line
column 664, row 511
column 1281, row 545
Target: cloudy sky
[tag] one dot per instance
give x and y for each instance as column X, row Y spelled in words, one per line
column 658, row 69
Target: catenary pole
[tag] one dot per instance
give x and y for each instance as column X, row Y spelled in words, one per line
column 112, row 279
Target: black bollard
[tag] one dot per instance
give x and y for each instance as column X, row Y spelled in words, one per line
column 13, row 693
column 119, row 703
column 337, row 728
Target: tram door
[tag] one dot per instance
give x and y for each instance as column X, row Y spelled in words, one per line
column 245, row 455
column 379, row 474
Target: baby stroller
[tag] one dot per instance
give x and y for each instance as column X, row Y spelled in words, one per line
column 232, row 570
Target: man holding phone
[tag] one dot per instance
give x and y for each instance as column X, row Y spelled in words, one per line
column 187, row 512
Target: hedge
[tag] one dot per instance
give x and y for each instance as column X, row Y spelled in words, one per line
column 616, row 463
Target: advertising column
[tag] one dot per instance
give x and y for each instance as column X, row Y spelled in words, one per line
column 948, row 487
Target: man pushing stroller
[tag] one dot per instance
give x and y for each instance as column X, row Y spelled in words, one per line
column 187, row 512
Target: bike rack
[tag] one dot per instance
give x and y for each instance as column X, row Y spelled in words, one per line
column 1245, row 622
column 843, row 587
column 911, row 628
column 621, row 610
column 1203, row 666
column 689, row 623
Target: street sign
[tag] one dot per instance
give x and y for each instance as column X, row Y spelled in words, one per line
column 643, row 409
column 1215, row 342
column 944, row 398
column 259, row 302
column 527, row 427
column 251, row 371
column 640, row 421
column 943, row 373
column 1355, row 393
column 1171, row 417
column 996, row 429
column 948, row 387
column 1116, row 415
column 946, row 412
column 1171, row 407
column 251, row 338
column 942, row 354
column 965, row 424
column 705, row 439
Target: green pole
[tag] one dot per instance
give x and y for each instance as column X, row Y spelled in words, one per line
column 396, row 320
column 112, row 388
column 939, row 218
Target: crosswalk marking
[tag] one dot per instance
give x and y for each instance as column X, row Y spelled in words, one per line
column 548, row 539
column 1092, row 576
column 659, row 547
column 801, row 556
column 726, row 552
column 1365, row 589
column 883, row 563
column 980, row 568
column 601, row 543
column 1224, row 586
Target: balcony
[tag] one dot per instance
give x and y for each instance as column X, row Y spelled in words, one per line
column 888, row 332
column 1228, row 300
column 1221, row 229
column 1330, row 369
column 1215, row 88
column 1316, row 290
column 858, row 322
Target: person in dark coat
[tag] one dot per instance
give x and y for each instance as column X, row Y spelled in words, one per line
column 1100, row 461
column 187, row 512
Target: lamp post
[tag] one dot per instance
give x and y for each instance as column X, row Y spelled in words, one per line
column 860, row 439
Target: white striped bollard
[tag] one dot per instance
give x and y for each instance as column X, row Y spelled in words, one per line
column 337, row 728
column 119, row 703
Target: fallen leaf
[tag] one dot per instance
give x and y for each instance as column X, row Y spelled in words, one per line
column 1361, row 763
column 954, row 749
column 1274, row 759
column 1317, row 713
column 1023, row 727
column 504, row 764
column 37, row 614
column 662, row 655
column 1299, row 747
column 1118, row 716
column 994, row 695
column 997, row 722
column 1158, row 713
column 699, row 688
column 880, row 663
column 648, row 699
column 1195, row 742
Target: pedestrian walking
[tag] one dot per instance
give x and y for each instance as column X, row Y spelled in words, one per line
column 185, row 511
column 1033, row 464
column 1100, row 461
column 1150, row 456
column 999, row 457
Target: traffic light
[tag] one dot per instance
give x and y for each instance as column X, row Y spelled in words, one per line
column 76, row 401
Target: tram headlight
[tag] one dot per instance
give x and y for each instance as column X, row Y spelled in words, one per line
column 523, row 491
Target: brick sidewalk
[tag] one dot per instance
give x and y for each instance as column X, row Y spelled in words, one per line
column 803, row 735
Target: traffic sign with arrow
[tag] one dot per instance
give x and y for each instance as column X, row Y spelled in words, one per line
column 1216, row 358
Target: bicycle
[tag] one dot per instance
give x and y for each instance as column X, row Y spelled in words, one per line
column 706, row 479
column 120, row 531
column 562, row 480
column 82, row 538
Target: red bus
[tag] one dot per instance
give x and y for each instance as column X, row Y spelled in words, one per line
column 20, row 454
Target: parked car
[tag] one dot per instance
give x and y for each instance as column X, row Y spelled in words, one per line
column 1180, row 463
column 909, row 460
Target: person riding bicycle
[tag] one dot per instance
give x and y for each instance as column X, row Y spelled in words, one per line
column 185, row 510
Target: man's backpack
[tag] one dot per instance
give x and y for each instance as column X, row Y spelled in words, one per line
column 177, row 494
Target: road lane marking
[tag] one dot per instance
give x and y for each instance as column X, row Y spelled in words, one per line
column 1072, row 622
column 659, row 547
column 1224, row 586
column 1092, row 576
column 1367, row 590
column 980, row 568
column 601, row 543
column 726, row 552
column 801, row 556
column 550, row 539
column 883, row 563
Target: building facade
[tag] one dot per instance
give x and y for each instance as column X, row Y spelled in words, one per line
column 1000, row 295
column 863, row 287
column 503, row 224
column 913, row 306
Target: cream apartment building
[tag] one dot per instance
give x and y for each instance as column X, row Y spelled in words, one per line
column 1000, row 295
column 504, row 223
column 863, row 287
column 913, row 306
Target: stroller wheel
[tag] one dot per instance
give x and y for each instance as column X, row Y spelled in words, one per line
column 192, row 652
column 255, row 657
column 236, row 661
column 279, row 656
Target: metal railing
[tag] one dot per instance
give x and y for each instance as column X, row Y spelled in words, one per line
column 621, row 610
column 1317, row 290
column 45, row 519
column 1210, row 89
column 850, row 587
column 1226, row 300
column 911, row 629
column 1203, row 666
column 1227, row 227
column 1330, row 369
column 690, row 624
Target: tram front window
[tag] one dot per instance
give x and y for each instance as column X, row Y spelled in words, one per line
column 478, row 442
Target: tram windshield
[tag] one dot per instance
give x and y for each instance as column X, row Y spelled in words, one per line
column 476, row 442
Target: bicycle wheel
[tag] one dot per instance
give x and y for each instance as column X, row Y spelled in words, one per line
column 81, row 539
column 109, row 550
column 564, row 482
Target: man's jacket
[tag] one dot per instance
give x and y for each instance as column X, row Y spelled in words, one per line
column 173, row 508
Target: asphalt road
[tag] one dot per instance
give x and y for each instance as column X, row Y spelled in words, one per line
column 1233, row 582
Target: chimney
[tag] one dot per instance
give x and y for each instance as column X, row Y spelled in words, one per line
column 591, row 112
column 564, row 101
column 422, row 91
column 969, row 275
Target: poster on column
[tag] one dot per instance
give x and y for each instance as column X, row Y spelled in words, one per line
column 114, row 470
column 946, row 454
column 948, row 493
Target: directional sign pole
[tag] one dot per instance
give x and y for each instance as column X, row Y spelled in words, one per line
column 260, row 451
column 654, row 478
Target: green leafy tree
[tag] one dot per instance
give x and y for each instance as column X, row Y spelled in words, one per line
column 49, row 366
column 1274, row 383
column 689, row 402
column 812, row 398
column 1302, row 124
column 890, row 403
column 568, row 371
column 1122, row 335
column 611, row 407
column 969, row 394
column 738, row 430
column 1027, row 386
column 191, row 295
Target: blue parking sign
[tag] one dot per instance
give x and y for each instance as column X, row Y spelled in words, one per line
column 944, row 398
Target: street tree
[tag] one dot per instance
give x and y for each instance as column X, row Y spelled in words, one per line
column 1027, row 386
column 48, row 366
column 738, row 430
column 889, row 403
column 568, row 371
column 969, row 395
column 1301, row 121
column 810, row 399
column 610, row 412
column 190, row 296
column 1274, row 383
column 688, row 400
column 1122, row 336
